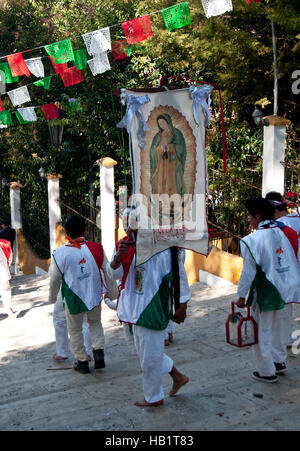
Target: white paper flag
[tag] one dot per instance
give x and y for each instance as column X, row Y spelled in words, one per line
column 97, row 41
column 19, row 96
column 36, row 67
column 216, row 7
column 99, row 64
column 28, row 114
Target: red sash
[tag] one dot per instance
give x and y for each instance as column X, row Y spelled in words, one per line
column 126, row 260
column 292, row 236
column 97, row 252
column 6, row 247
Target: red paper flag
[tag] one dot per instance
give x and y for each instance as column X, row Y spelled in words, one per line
column 137, row 30
column 71, row 76
column 120, row 49
column 51, row 111
column 59, row 68
column 249, row 1
column 17, row 65
column 1, row 106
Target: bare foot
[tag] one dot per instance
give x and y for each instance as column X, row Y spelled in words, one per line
column 144, row 403
column 59, row 358
column 178, row 382
column 167, row 342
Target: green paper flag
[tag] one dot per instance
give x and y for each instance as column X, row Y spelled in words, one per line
column 5, row 118
column 44, row 82
column 80, row 59
column 4, row 67
column 61, row 52
column 177, row 16
column 20, row 119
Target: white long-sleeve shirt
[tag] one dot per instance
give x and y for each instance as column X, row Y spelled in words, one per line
column 56, row 279
column 248, row 274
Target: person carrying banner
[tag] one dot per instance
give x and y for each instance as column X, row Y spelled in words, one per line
column 272, row 274
column 292, row 220
column 80, row 271
column 5, row 276
column 145, row 300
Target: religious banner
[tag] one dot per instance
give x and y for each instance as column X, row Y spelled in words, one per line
column 169, row 176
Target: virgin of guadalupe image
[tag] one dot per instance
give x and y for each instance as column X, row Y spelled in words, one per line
column 167, row 158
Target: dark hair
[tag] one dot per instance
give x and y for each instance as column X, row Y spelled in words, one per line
column 5, row 222
column 274, row 195
column 262, row 206
column 75, row 226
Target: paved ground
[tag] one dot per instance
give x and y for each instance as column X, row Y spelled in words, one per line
column 38, row 394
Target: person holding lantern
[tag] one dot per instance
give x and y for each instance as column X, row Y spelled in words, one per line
column 271, row 275
column 292, row 220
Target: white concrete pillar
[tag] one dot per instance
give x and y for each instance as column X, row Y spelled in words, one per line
column 16, row 219
column 107, row 203
column 274, row 154
column 53, row 208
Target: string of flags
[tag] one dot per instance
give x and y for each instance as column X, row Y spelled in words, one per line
column 28, row 114
column 95, row 56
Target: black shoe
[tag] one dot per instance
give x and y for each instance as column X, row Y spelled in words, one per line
column 98, row 358
column 82, row 366
column 269, row 379
column 280, row 368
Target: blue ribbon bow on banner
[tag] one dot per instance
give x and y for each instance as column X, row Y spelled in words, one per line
column 134, row 105
column 200, row 94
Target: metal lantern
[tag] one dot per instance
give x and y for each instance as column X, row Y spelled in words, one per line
column 241, row 331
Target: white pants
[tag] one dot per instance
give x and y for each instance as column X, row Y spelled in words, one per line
column 289, row 308
column 61, row 331
column 5, row 293
column 154, row 363
column 273, row 335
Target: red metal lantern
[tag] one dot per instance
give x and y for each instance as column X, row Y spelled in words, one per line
column 241, row 331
